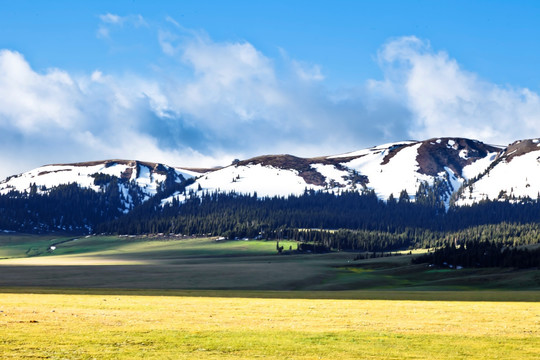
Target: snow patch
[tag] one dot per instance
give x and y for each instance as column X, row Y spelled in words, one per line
column 374, row 149
column 400, row 173
column 249, row 179
column 478, row 167
column 332, row 174
column 511, row 152
column 455, row 182
column 516, row 178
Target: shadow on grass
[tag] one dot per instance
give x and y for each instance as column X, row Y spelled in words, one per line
column 398, row 295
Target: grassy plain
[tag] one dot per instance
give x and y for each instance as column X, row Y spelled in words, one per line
column 197, row 264
column 155, row 298
column 60, row 326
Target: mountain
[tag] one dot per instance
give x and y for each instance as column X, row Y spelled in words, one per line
column 459, row 171
column 137, row 181
column 445, row 163
column 513, row 175
column 136, row 196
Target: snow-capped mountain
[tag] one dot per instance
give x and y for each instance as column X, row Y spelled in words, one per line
column 387, row 169
column 513, row 175
column 147, row 178
column 466, row 170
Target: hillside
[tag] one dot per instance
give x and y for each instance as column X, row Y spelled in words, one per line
column 437, row 175
column 489, row 172
column 513, row 175
column 387, row 169
column 147, row 178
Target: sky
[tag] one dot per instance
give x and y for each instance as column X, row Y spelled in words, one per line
column 201, row 83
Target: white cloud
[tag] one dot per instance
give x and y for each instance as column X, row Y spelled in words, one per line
column 32, row 103
column 112, row 19
column 97, row 76
column 171, row 20
column 446, row 100
column 308, row 72
column 216, row 101
column 54, row 117
column 231, row 82
column 109, row 21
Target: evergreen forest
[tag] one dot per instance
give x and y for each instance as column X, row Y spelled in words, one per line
column 319, row 221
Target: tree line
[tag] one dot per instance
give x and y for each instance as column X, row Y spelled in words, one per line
column 481, row 254
column 353, row 220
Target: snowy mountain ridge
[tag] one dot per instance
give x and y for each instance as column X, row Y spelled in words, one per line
column 463, row 171
column 386, row 169
column 514, row 175
column 147, row 178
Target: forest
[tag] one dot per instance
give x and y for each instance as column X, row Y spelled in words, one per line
column 350, row 221
column 481, row 254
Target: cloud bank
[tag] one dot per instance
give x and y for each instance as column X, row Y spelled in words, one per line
column 216, row 101
column 445, row 100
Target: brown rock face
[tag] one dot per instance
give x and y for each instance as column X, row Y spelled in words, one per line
column 518, row 148
column 453, row 153
column 302, row 165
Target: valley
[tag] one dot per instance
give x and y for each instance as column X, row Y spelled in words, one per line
column 166, row 297
column 112, row 262
column 181, row 263
column 275, row 180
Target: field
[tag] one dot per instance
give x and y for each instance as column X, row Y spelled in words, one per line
column 206, row 264
column 154, row 298
column 184, row 327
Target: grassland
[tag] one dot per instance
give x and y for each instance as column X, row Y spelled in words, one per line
column 183, row 327
column 206, row 264
column 155, row 298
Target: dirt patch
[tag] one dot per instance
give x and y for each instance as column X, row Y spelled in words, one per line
column 454, row 153
column 200, row 170
column 286, row 162
column 392, row 151
column 109, row 163
column 303, row 166
column 49, row 172
column 126, row 174
column 518, row 148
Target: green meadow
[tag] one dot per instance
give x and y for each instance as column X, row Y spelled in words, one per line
column 185, row 298
column 206, row 264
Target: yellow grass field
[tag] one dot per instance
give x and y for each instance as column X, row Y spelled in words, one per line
column 73, row 326
column 151, row 298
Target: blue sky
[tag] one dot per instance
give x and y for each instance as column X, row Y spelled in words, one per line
column 496, row 39
column 204, row 82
